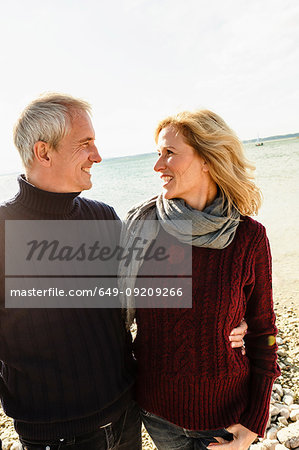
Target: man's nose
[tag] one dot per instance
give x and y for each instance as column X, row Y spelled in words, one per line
column 95, row 156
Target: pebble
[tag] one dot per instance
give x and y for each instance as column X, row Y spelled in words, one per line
column 294, row 415
column 288, row 392
column 289, row 434
column 294, row 406
column 293, row 442
column 270, row 444
column 277, row 388
column 259, row 446
column 274, row 411
column 283, row 421
column 285, row 412
column 288, row 399
column 271, row 433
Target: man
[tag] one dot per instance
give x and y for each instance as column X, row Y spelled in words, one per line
column 67, row 374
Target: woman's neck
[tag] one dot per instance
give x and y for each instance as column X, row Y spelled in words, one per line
column 204, row 199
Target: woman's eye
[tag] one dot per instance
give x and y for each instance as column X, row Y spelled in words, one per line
column 169, row 152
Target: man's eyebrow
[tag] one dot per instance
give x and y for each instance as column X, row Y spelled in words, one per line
column 86, row 140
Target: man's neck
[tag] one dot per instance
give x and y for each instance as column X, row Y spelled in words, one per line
column 42, row 182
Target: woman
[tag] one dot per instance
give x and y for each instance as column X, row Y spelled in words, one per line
column 192, row 386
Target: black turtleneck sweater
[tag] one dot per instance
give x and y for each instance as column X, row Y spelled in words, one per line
column 64, row 371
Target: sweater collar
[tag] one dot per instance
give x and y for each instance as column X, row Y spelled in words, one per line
column 45, row 201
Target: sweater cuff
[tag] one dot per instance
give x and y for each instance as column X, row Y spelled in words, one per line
column 256, row 416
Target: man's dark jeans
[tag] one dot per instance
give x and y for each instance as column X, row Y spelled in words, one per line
column 124, row 434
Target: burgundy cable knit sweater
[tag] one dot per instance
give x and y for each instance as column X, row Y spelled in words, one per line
column 187, row 371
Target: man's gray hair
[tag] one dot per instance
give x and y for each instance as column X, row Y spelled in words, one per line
column 48, row 119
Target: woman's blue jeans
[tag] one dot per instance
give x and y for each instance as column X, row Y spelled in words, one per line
column 168, row 436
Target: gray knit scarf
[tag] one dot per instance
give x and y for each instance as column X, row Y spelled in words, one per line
column 211, row 228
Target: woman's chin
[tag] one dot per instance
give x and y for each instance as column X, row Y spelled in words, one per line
column 167, row 195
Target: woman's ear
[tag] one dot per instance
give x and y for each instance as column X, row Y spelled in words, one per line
column 205, row 167
column 42, row 153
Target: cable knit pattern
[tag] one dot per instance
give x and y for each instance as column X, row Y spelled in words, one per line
column 187, row 371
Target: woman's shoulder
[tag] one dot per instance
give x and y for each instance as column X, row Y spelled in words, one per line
column 141, row 209
column 251, row 229
column 250, row 223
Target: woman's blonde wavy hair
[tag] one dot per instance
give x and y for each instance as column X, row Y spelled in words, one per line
column 221, row 149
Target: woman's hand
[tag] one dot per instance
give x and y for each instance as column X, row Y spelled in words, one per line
column 243, row 438
column 236, row 337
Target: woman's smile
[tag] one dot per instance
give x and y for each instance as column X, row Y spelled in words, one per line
column 166, row 179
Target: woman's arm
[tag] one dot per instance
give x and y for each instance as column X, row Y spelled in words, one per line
column 260, row 339
column 260, row 348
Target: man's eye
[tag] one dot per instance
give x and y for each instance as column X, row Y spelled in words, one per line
column 169, row 152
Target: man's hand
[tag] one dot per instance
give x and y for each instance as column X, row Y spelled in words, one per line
column 242, row 439
column 237, row 336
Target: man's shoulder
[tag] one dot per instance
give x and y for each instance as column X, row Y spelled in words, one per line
column 5, row 208
column 96, row 209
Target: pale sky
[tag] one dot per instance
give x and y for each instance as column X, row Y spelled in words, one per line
column 136, row 61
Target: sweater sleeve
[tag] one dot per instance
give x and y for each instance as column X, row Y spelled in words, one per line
column 260, row 340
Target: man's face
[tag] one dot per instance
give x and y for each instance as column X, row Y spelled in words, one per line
column 75, row 155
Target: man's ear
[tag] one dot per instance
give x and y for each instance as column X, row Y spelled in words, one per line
column 42, row 152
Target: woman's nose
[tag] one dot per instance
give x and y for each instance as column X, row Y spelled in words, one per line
column 160, row 164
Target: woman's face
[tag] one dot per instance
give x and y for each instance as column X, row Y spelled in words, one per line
column 183, row 172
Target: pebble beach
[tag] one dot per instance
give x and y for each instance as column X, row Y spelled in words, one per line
column 283, row 426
